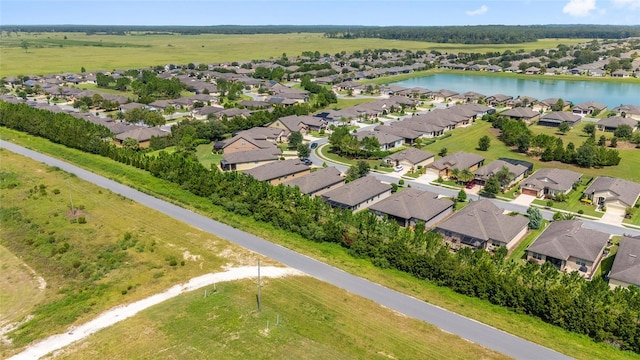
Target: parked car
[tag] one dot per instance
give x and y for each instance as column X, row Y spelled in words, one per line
column 314, row 145
column 398, row 168
column 471, row 184
column 306, row 161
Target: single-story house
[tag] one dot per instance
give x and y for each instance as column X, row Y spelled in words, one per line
column 244, row 160
column 522, row 113
column 460, row 160
column 409, row 206
column 318, row 182
column 243, row 142
column 498, row 100
column 627, row 111
column 482, row 225
column 626, row 265
column 279, row 171
column 302, row 124
column 569, row 247
column 546, row 104
column 517, row 172
column 142, row 135
column 274, row 135
column 358, row 194
column 556, row 118
column 612, row 123
column 589, row 107
column 408, row 135
column 613, row 192
column 549, row 181
column 411, row 158
column 387, row 141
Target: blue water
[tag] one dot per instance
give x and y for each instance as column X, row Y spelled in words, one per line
column 610, row 94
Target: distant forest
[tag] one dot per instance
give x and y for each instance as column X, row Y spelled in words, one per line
column 488, row 34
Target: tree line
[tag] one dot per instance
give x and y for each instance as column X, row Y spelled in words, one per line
column 564, row 300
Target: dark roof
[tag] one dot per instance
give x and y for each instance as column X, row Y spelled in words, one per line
column 561, row 116
column 356, row 192
column 413, row 204
column 626, row 265
column 277, row 169
column 520, row 112
column 241, row 157
column 483, row 220
column 563, row 239
column 527, row 164
column 551, row 178
column 317, row 180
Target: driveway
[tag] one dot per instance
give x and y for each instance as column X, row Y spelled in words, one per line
column 524, row 200
column 613, row 216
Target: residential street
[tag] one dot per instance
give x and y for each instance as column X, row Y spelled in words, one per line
column 466, row 328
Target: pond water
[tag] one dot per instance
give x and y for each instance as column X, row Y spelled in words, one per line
column 610, row 94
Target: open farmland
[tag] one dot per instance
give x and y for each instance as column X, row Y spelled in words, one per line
column 108, row 52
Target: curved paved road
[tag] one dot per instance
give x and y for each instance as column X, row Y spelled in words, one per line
column 464, row 327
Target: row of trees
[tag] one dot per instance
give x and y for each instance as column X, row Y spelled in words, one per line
column 344, row 143
column 565, row 300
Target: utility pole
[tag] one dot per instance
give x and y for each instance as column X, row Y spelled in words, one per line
column 73, row 210
column 259, row 306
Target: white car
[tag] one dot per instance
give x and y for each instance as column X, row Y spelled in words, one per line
column 398, row 168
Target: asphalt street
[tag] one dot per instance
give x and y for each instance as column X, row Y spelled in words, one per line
column 450, row 322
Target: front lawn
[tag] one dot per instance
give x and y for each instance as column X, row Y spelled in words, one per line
column 573, row 203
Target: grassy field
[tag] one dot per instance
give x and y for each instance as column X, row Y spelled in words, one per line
column 92, row 266
column 312, row 321
column 51, row 53
column 535, row 330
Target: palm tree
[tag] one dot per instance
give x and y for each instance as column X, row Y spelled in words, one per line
column 454, row 174
column 504, row 176
column 465, row 176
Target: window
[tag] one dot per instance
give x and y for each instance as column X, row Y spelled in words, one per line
column 536, row 256
column 581, row 262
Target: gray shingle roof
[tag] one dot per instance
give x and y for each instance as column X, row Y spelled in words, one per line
column 317, row 181
column 241, row 157
column 561, row 116
column 357, row 191
column 623, row 190
column 520, row 112
column 626, row 265
column 460, row 160
column 484, row 220
column 563, row 239
column 142, row 134
column 412, row 155
column 413, row 204
column 277, row 169
column 495, row 166
column 616, row 121
column 550, row 178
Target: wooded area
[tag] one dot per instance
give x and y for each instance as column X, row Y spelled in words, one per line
column 565, row 300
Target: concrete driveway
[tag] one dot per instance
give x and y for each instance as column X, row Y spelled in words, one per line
column 524, row 200
column 613, row 216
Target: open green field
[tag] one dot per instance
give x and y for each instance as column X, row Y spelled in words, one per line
column 301, row 318
column 51, row 53
column 577, row 346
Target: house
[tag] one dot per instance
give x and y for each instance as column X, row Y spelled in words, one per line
column 243, row 142
column 620, row 73
column 279, row 171
column 612, row 123
column 627, row 111
column 626, row 265
column 482, row 225
column 589, row 108
column 498, row 100
column 318, row 182
column 244, row 160
column 274, row 135
column 556, row 118
column 204, row 112
column 613, row 192
column 358, row 194
column 302, row 124
column 549, row 181
column 517, row 172
column 411, row 158
column 443, row 95
column 522, row 113
column 460, row 160
column 547, row 104
column 142, row 135
column 409, row 206
column 387, row 141
column 569, row 247
column 408, row 135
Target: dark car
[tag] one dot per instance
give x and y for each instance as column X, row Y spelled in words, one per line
column 314, row 145
column 471, row 184
column 306, row 161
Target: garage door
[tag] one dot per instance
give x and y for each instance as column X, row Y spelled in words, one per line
column 530, row 192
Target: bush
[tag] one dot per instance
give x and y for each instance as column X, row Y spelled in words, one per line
column 550, row 203
column 401, row 182
column 82, row 220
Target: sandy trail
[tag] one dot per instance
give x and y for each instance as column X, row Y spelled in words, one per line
column 120, row 313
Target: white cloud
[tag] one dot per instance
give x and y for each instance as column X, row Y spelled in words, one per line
column 580, row 8
column 633, row 4
column 479, row 11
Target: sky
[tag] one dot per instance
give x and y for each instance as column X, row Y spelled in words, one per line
column 319, row 12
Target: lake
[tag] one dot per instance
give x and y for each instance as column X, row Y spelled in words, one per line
column 611, row 94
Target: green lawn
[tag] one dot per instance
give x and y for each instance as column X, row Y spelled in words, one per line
column 345, row 103
column 519, row 251
column 94, row 87
column 573, row 203
column 95, row 53
column 577, row 346
column 206, row 156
